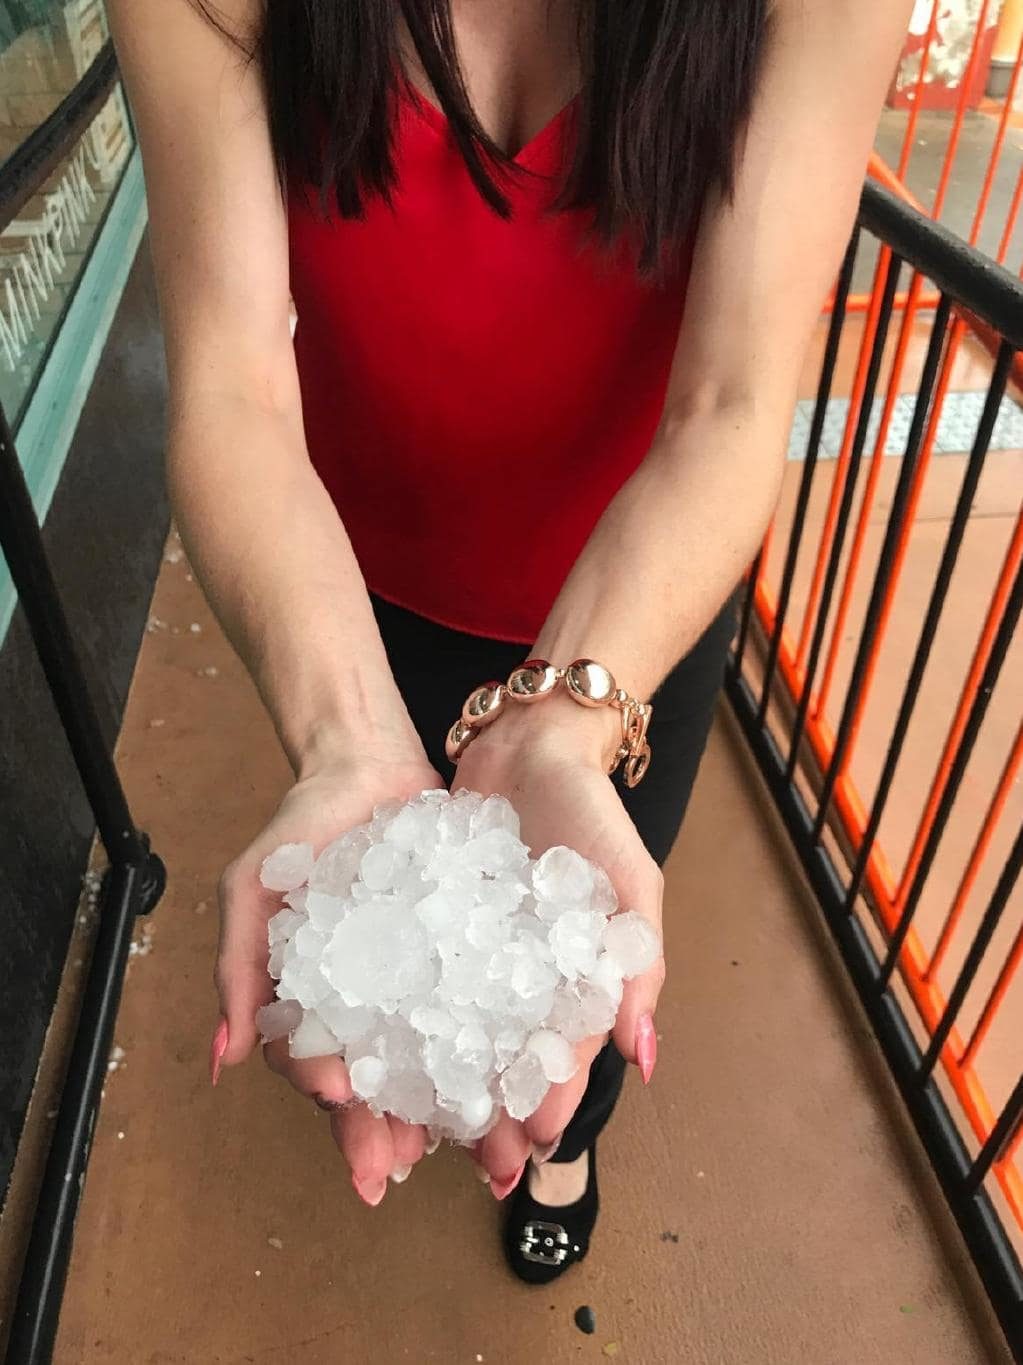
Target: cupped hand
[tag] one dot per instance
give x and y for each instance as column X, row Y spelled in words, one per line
column 323, row 804
column 549, row 761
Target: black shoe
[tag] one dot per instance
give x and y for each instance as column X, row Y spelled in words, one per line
column 541, row 1242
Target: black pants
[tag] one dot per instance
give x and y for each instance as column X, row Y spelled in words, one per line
column 436, row 668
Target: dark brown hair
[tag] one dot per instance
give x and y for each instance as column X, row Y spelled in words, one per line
column 666, row 91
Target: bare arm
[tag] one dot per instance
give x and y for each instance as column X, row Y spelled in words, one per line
column 259, row 526
column 672, row 545
column 261, row 530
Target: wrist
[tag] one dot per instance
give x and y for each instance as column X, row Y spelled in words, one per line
column 343, row 736
column 557, row 729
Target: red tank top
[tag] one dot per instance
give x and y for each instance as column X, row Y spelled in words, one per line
column 475, row 390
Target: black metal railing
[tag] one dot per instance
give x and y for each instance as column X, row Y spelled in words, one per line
column 135, row 877
column 772, row 705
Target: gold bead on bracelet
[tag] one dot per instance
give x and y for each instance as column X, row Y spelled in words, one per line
column 587, row 683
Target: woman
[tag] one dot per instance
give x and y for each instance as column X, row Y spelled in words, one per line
column 498, row 432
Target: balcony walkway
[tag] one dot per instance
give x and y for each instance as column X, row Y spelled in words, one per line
column 764, row 1201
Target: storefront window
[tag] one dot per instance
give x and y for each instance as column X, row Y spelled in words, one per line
column 45, row 49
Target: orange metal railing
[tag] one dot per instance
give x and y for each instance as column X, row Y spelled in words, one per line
column 887, row 890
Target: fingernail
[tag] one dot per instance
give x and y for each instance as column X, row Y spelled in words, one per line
column 322, row 1102
column 370, row 1191
column 400, row 1174
column 501, row 1189
column 217, row 1049
column 646, row 1047
column 431, row 1147
column 542, row 1154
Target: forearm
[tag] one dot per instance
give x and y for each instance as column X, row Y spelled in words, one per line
column 670, row 547
column 278, row 569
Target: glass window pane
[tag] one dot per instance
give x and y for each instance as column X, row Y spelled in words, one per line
column 45, row 48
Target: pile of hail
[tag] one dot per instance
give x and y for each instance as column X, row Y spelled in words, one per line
column 451, row 971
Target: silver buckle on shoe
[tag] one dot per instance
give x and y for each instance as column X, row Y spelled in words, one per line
column 546, row 1243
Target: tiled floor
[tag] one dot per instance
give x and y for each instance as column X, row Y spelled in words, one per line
column 763, row 1204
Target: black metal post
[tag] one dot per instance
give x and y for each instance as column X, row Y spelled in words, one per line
column 37, row 1309
column 813, row 446
column 22, row 544
column 1008, row 1121
column 985, row 932
column 989, row 677
column 132, row 886
column 844, row 508
column 886, row 560
column 953, row 541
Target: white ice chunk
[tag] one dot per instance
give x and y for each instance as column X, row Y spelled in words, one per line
column 449, row 970
column 476, row 1110
column 367, row 1076
column 287, row 867
column 382, row 866
column 633, row 943
column 575, row 939
column 607, row 977
column 338, row 865
column 433, row 1022
column 494, row 813
column 563, row 877
column 523, row 1086
column 377, row 955
column 495, row 852
column 557, row 1055
column 348, row 1023
column 281, row 927
column 604, row 900
column 312, row 1038
column 509, row 1040
column 324, row 911
column 474, row 1047
column 278, row 1019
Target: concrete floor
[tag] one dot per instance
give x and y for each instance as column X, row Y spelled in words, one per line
column 763, row 1201
column 976, row 140
column 923, row 175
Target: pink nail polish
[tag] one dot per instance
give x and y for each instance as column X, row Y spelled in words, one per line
column 501, row 1189
column 217, row 1049
column 371, row 1191
column 646, row 1047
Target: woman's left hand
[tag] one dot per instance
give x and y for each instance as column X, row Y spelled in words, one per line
column 550, row 762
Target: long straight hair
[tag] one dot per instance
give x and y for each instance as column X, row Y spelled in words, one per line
column 665, row 95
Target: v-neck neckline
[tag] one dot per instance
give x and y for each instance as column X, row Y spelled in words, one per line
column 436, row 116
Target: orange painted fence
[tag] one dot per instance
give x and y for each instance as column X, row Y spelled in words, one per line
column 829, row 695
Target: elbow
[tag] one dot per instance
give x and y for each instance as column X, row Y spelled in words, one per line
column 729, row 410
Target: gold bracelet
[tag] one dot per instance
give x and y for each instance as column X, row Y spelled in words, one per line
column 587, row 682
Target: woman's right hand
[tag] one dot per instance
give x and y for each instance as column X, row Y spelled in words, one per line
column 323, row 804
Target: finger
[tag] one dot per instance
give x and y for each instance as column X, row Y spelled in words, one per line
column 633, row 1031
column 323, row 1079
column 242, row 981
column 366, row 1144
column 549, row 1121
column 409, row 1142
column 504, row 1153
